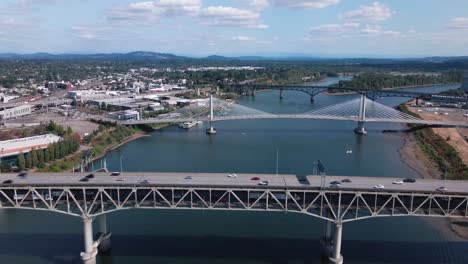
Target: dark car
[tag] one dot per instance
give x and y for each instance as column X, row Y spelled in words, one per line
column 255, row 179
column 23, row 175
column 334, row 182
column 84, row 179
column 409, row 180
column 115, row 173
column 8, row 182
column 90, row 176
column 347, row 180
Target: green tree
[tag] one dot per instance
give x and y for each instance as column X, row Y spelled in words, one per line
column 28, row 161
column 47, row 154
column 21, row 161
column 40, row 158
column 34, row 159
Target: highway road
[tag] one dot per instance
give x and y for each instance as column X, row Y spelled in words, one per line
column 221, row 180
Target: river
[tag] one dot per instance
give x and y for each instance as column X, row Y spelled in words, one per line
column 150, row 236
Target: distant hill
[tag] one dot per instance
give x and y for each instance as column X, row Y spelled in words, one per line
column 137, row 55
column 148, row 55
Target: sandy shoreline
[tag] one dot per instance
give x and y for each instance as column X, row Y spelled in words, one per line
column 413, row 156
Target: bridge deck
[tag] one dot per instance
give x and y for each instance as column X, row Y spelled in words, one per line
column 221, row 180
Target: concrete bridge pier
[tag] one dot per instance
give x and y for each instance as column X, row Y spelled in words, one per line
column 312, row 99
column 253, row 92
column 281, row 93
column 336, row 257
column 104, row 235
column 90, row 250
column 327, row 240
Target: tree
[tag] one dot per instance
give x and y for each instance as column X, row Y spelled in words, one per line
column 21, row 162
column 34, row 160
column 40, row 157
column 69, row 131
column 28, row 161
column 47, row 154
column 51, row 149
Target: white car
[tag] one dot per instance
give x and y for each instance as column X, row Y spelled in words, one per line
column 399, row 182
column 263, row 183
column 379, row 186
column 441, row 189
column 232, row 175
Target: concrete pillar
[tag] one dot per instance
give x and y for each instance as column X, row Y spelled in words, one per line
column 327, row 239
column 211, row 130
column 253, row 92
column 281, row 93
column 336, row 257
column 90, row 252
column 362, row 116
column 312, row 100
column 105, row 244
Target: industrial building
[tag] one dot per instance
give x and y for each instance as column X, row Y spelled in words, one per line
column 15, row 112
column 125, row 115
column 16, row 146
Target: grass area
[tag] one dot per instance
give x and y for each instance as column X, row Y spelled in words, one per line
column 98, row 145
column 438, row 150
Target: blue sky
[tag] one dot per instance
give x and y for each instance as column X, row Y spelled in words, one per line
column 386, row 28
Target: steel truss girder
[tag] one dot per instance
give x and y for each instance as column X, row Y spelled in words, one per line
column 330, row 205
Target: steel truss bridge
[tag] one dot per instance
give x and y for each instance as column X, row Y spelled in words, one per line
column 313, row 196
column 312, row 90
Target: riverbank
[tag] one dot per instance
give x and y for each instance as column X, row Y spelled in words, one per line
column 418, row 159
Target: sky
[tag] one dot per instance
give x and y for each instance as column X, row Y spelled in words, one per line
column 323, row 28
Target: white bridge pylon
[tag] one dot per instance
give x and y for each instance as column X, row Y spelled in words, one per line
column 373, row 111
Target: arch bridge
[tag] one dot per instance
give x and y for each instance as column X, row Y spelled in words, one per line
column 356, row 198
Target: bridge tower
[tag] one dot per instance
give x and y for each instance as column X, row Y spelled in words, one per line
column 362, row 117
column 211, row 130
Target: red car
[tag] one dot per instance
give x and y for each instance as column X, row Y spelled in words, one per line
column 255, row 179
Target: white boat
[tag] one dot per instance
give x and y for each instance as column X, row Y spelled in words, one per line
column 188, row 125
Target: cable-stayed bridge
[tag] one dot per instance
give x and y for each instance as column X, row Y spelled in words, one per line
column 359, row 110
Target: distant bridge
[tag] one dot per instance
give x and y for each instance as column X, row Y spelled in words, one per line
column 67, row 193
column 313, row 90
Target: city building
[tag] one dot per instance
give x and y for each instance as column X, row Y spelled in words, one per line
column 15, row 112
column 465, row 82
column 15, row 146
column 125, row 115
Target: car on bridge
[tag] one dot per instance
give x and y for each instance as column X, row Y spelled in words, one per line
column 379, row 186
column 399, row 182
column 409, row 180
column 263, row 183
column 442, row 189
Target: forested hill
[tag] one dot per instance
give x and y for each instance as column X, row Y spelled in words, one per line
column 377, row 81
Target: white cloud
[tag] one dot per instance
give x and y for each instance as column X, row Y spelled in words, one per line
column 392, row 33
column 242, row 38
column 151, row 11
column 371, row 30
column 334, row 29
column 311, row 4
column 231, row 16
column 375, row 12
column 87, row 32
column 459, row 23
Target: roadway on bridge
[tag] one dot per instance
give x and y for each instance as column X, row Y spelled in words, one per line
column 222, row 180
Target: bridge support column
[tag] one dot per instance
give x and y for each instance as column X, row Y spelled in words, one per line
column 211, row 130
column 327, row 239
column 105, row 242
column 253, row 92
column 362, row 117
column 281, row 93
column 312, row 99
column 336, row 257
column 89, row 255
